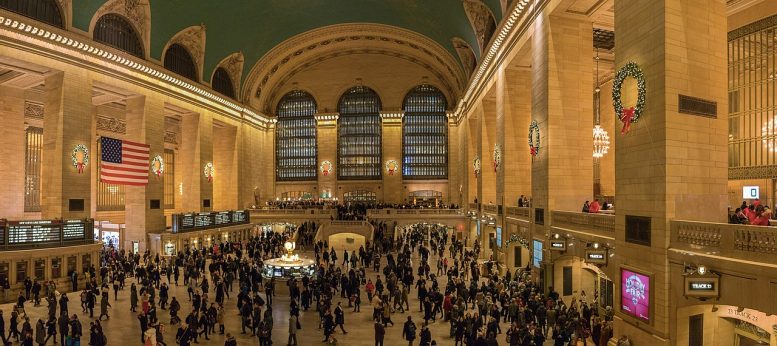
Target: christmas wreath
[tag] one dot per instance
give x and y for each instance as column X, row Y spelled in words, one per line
column 83, row 161
column 158, row 165
column 534, row 138
column 209, row 171
column 631, row 114
column 326, row 167
column 476, row 165
column 391, row 166
column 497, row 156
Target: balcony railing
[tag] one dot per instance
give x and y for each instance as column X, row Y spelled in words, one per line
column 521, row 213
column 600, row 224
column 388, row 212
column 474, row 206
column 318, row 213
column 727, row 240
column 490, row 208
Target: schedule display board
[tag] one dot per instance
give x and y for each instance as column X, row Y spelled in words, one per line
column 208, row 220
column 33, row 233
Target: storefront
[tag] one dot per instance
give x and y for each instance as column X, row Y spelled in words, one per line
column 109, row 233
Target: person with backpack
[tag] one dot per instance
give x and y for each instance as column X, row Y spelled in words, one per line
column 75, row 330
column 408, row 331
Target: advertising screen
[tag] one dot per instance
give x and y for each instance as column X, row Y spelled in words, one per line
column 499, row 237
column 750, row 192
column 537, row 256
column 635, row 294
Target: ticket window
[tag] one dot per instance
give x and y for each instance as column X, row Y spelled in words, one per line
column 56, row 267
column 71, row 264
column 40, row 269
column 5, row 269
column 21, row 271
column 86, row 260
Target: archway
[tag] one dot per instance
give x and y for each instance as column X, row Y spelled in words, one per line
column 712, row 324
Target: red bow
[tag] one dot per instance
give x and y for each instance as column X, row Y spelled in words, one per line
column 391, row 172
column 326, row 172
column 533, row 151
column 80, row 166
column 627, row 118
column 158, row 172
column 210, row 178
column 496, row 166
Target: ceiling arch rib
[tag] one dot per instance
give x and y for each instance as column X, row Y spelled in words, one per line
column 286, row 57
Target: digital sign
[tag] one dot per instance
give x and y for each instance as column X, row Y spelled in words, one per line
column 558, row 245
column 596, row 256
column 635, row 294
column 702, row 286
column 34, row 233
column 208, row 220
column 537, row 253
column 750, row 192
column 499, row 237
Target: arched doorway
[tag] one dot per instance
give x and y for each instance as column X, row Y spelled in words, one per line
column 713, row 324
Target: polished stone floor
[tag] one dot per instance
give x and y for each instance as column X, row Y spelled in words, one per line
column 123, row 327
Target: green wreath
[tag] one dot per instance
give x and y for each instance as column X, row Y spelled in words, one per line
column 630, row 115
column 74, row 157
column 534, row 138
column 160, row 162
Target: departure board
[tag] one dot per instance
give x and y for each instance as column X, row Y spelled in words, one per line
column 73, row 229
column 208, row 220
column 39, row 231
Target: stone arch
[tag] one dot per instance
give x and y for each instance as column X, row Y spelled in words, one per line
column 466, row 55
column 136, row 12
column 233, row 64
column 482, row 20
column 193, row 39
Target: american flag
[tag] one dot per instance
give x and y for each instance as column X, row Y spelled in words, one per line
column 123, row 162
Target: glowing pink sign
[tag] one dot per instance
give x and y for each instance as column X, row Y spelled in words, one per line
column 635, row 294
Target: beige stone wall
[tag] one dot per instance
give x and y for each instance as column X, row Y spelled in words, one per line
column 12, row 139
column 487, row 141
column 517, row 160
column 392, row 150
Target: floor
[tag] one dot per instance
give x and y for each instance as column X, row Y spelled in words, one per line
column 124, row 328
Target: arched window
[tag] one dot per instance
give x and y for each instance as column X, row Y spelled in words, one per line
column 178, row 60
column 46, row 11
column 359, row 135
column 295, row 138
column 425, row 134
column 115, row 31
column 222, row 83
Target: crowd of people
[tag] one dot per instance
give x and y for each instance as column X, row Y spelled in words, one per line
column 751, row 214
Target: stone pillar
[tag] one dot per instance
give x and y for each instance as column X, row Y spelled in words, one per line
column 12, row 150
column 488, row 137
column 327, row 151
column 393, row 192
column 516, row 158
column 145, row 124
column 67, row 122
column 499, row 140
column 225, row 157
column 670, row 165
column 196, row 151
column 562, row 105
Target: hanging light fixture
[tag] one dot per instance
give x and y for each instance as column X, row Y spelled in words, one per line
column 601, row 138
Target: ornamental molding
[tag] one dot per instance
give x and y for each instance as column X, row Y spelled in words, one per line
column 137, row 12
column 171, row 137
column 480, row 17
column 33, row 110
column 233, row 64
column 312, row 44
column 466, row 55
column 110, row 124
column 760, row 172
column 193, row 39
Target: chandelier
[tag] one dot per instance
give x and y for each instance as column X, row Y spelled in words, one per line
column 601, row 142
column 601, row 138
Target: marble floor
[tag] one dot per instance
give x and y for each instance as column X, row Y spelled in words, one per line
column 123, row 327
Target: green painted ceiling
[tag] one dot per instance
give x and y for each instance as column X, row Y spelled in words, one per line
column 256, row 26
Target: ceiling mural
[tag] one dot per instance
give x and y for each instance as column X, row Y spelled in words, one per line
column 254, row 27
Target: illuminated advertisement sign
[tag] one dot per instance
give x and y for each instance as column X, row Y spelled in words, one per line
column 635, row 294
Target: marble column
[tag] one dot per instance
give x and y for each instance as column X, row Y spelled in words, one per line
column 12, row 150
column 393, row 192
column 67, row 122
column 670, row 165
column 515, row 153
column 327, row 151
column 196, row 151
column 225, row 157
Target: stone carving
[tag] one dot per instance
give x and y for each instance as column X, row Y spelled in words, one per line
column 193, row 39
column 33, row 110
column 759, row 172
column 110, row 124
column 134, row 10
column 481, row 19
column 233, row 64
column 466, row 55
column 171, row 137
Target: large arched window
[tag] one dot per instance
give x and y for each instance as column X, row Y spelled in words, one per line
column 115, row 31
column 295, row 137
column 222, row 83
column 359, row 135
column 178, row 60
column 425, row 134
column 46, row 11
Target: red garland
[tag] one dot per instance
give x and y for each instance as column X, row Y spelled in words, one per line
column 627, row 118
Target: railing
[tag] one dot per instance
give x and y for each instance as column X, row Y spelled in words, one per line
column 490, row 208
column 522, row 213
column 474, row 206
column 727, row 240
column 601, row 224
column 390, row 211
column 292, row 212
column 347, row 223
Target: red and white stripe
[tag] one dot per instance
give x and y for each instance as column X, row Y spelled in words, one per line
column 134, row 167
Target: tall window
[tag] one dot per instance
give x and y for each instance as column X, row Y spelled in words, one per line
column 32, row 166
column 46, row 11
column 110, row 197
column 359, row 135
column 295, row 137
column 115, row 31
column 178, row 60
column 425, row 134
column 169, row 178
column 222, row 83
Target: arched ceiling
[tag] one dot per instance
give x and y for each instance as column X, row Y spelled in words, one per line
column 254, row 27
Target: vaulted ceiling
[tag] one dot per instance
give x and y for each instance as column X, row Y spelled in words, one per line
column 254, row 27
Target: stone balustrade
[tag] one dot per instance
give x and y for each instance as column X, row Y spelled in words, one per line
column 490, row 208
column 474, row 206
column 599, row 224
column 390, row 212
column 727, row 240
column 522, row 213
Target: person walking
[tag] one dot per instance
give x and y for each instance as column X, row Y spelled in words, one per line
column 230, row 340
column 40, row 332
column 380, row 333
column 64, row 326
column 340, row 316
column 408, row 331
column 104, row 305
column 292, row 330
